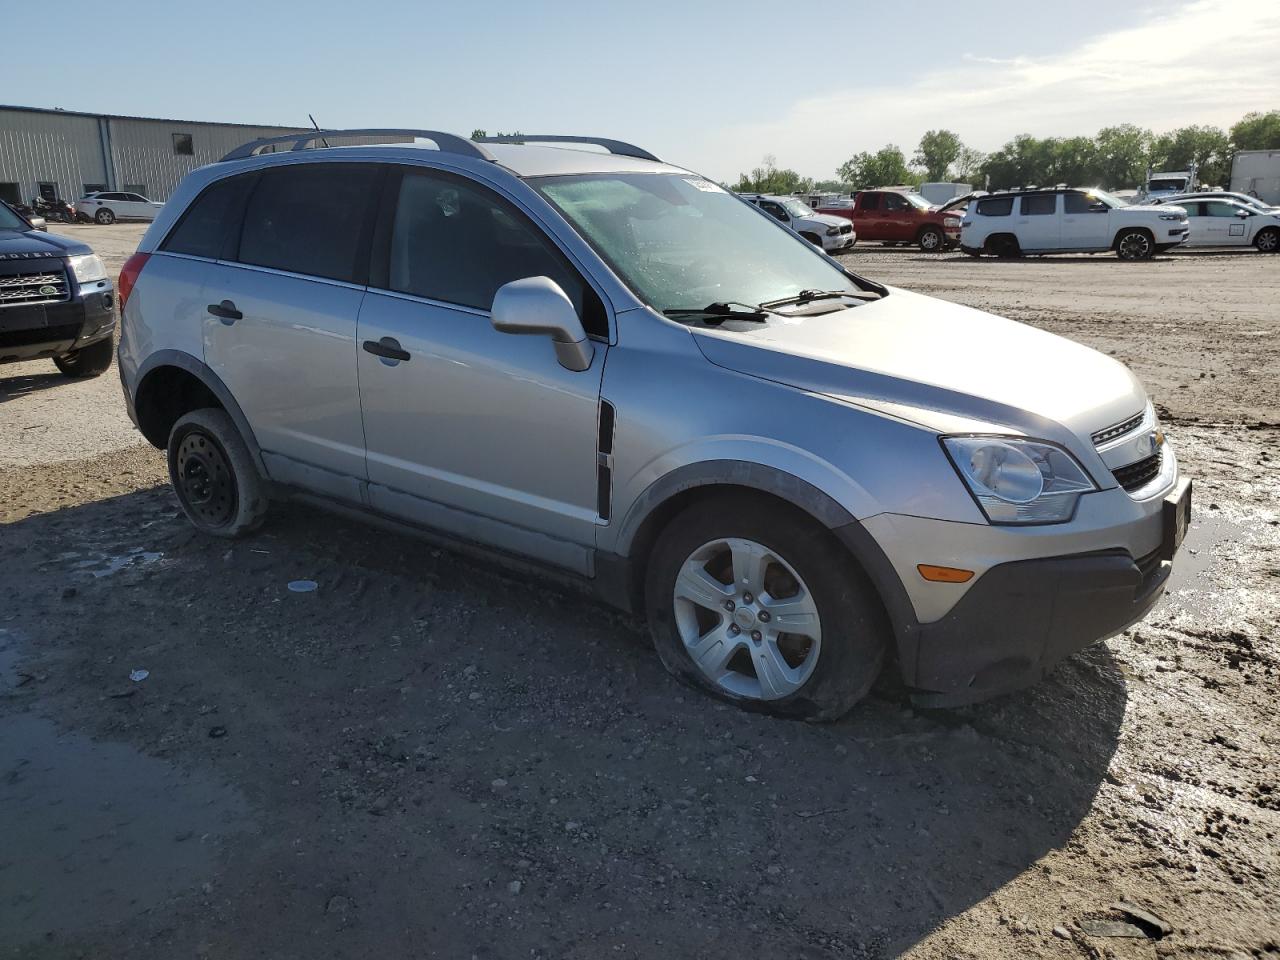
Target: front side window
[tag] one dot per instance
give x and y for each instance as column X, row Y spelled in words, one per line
column 774, row 210
column 310, row 218
column 682, row 242
column 1077, row 202
column 995, row 206
column 1039, row 204
column 895, row 201
column 458, row 243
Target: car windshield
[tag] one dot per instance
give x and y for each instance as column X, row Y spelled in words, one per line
column 797, row 209
column 917, row 201
column 1101, row 195
column 10, row 220
column 682, row 242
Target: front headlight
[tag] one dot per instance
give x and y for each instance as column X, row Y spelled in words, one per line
column 833, row 231
column 1019, row 481
column 1170, row 216
column 88, row 268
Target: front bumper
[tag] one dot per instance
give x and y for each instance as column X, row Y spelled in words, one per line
column 52, row 329
column 844, row 241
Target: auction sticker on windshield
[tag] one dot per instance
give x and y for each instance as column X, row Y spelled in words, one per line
column 706, row 186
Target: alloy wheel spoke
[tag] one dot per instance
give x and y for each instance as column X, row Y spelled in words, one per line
column 713, row 651
column 750, row 561
column 697, row 586
column 776, row 678
column 793, row 615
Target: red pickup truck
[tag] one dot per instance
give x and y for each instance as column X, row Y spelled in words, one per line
column 895, row 216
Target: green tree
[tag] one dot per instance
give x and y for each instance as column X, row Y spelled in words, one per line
column 938, row 150
column 1207, row 147
column 1122, row 155
column 767, row 178
column 1257, row 131
column 886, row 167
column 968, row 164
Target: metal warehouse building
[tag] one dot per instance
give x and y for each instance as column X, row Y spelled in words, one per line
column 67, row 154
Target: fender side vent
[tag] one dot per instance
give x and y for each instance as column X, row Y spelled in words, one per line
column 604, row 461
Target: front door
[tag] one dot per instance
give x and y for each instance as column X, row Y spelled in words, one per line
column 479, row 433
column 280, row 326
column 1039, row 226
column 1086, row 222
column 898, row 221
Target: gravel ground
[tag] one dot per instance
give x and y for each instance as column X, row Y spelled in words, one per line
column 426, row 757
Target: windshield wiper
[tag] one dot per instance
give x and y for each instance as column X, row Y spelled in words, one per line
column 717, row 313
column 806, row 296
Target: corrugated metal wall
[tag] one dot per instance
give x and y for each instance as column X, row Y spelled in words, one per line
column 67, row 149
column 46, row 147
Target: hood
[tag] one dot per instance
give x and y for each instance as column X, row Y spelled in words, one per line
column 826, row 219
column 1152, row 207
column 30, row 245
column 936, row 363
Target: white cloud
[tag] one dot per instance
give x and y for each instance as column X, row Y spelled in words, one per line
column 1209, row 61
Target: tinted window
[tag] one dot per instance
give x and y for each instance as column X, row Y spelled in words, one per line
column 205, row 225
column 1039, row 204
column 870, row 201
column 309, row 219
column 458, row 243
column 773, row 209
column 995, row 206
column 1082, row 203
column 894, row 201
column 1193, row 209
column 1218, row 208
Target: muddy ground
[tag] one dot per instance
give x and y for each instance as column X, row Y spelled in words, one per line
column 427, row 757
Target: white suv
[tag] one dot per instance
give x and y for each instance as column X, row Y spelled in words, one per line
column 832, row 234
column 1066, row 220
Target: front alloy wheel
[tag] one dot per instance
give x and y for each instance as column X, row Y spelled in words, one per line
column 1268, row 241
column 931, row 240
column 1135, row 245
column 747, row 620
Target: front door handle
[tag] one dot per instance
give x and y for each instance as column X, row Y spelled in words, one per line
column 388, row 348
column 226, row 312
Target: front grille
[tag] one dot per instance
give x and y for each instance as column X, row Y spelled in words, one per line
column 1138, row 474
column 33, row 287
column 847, row 228
column 1118, row 429
column 25, row 338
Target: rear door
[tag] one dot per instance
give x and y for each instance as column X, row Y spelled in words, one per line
column 479, row 433
column 280, row 319
column 1086, row 222
column 1039, row 226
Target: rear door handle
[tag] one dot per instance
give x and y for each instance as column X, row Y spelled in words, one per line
column 226, row 312
column 388, row 348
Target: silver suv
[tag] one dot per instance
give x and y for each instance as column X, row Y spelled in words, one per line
column 610, row 366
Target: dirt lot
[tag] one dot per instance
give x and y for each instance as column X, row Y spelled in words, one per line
column 429, row 758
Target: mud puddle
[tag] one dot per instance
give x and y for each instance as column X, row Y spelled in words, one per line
column 105, row 831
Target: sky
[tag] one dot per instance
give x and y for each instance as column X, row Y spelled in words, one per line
column 711, row 85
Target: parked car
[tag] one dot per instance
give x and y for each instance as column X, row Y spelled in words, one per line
column 789, row 469
column 108, row 207
column 34, row 220
column 1229, row 223
column 1069, row 220
column 829, row 233
column 898, row 217
column 55, row 299
column 1181, row 199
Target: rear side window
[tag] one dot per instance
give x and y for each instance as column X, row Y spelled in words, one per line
column 1039, row 204
column 310, row 219
column 870, row 201
column 995, row 207
column 458, row 243
column 205, row 226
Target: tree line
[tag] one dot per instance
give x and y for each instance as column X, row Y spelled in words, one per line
column 1115, row 158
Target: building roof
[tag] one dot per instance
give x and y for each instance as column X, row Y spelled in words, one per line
column 56, row 111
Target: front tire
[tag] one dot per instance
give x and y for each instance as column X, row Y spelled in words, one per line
column 1268, row 241
column 814, row 239
column 90, row 361
column 105, row 217
column 1135, row 245
column 219, row 488
column 757, row 604
column 931, row 240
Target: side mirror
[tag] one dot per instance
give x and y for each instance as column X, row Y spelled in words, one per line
column 1098, row 207
column 1243, row 213
column 537, row 306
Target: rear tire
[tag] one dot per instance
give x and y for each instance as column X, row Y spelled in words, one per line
column 795, row 568
column 105, row 217
column 931, row 240
column 90, row 361
column 1003, row 245
column 1268, row 241
column 217, row 484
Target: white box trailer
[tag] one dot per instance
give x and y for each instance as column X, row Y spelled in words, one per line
column 940, row 193
column 1257, row 173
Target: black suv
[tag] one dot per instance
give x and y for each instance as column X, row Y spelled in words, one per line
column 55, row 299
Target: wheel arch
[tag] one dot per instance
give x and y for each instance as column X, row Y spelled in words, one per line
column 1115, row 241
column 171, row 383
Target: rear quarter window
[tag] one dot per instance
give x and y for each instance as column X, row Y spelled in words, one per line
column 995, row 207
column 210, row 219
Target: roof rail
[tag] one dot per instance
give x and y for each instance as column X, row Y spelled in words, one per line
column 620, row 147
column 446, row 142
